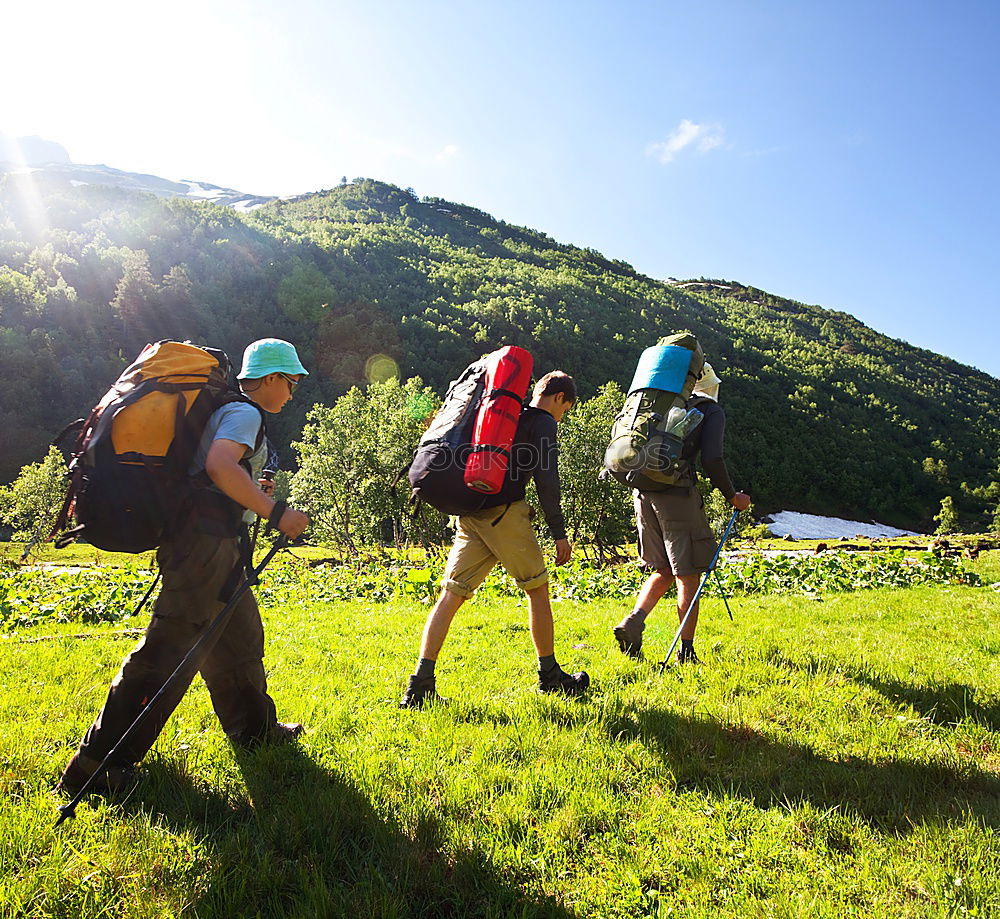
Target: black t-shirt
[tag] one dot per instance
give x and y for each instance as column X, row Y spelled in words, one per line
column 534, row 454
column 707, row 441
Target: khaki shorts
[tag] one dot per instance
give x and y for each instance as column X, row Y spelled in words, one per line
column 481, row 542
column 673, row 531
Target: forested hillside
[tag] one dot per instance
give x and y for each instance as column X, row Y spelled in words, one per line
column 826, row 415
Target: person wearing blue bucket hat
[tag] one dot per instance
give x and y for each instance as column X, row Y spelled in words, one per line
column 271, row 355
column 201, row 567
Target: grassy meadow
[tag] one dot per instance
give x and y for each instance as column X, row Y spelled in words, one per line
column 837, row 755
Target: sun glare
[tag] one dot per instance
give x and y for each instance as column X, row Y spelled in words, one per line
column 32, row 212
column 122, row 76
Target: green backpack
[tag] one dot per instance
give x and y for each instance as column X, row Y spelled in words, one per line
column 647, row 438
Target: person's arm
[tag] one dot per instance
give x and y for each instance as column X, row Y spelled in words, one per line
column 712, row 435
column 223, row 467
column 549, row 490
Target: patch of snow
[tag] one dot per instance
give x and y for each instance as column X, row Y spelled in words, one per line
column 77, row 174
column 198, row 190
column 812, row 526
column 246, row 205
column 52, row 568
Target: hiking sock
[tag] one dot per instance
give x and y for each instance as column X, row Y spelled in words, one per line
column 545, row 664
column 425, row 669
column 687, row 646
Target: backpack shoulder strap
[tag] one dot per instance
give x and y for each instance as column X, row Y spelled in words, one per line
column 699, row 401
column 232, row 396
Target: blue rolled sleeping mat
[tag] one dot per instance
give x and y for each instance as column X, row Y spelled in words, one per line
column 662, row 367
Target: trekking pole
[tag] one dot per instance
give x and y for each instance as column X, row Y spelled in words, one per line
column 722, row 590
column 69, row 810
column 269, row 471
column 146, row 595
column 269, row 475
column 697, row 593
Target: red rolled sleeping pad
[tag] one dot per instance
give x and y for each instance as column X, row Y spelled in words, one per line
column 507, row 377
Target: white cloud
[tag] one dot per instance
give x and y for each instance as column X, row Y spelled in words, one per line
column 688, row 134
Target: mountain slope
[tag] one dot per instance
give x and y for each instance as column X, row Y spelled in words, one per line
column 73, row 175
column 826, row 415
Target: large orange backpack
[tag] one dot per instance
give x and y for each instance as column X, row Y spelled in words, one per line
column 129, row 484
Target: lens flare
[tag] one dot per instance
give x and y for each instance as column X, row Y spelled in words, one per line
column 380, row 367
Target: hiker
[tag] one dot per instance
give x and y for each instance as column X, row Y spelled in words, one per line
column 675, row 539
column 502, row 532
column 202, row 562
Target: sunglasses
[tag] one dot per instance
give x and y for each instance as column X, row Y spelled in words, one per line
column 292, row 383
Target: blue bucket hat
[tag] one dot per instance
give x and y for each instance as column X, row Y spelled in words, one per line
column 270, row 355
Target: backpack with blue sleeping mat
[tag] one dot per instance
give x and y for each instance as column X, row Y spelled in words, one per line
column 649, row 434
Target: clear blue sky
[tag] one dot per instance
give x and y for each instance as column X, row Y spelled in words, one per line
column 843, row 154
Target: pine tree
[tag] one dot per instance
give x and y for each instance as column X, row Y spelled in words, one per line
column 947, row 517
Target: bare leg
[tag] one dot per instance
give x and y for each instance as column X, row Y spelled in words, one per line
column 540, row 620
column 687, row 587
column 551, row 677
column 657, row 584
column 438, row 623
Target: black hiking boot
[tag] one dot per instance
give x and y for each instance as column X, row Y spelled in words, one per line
column 558, row 680
column 420, row 691
column 686, row 655
column 628, row 633
column 112, row 779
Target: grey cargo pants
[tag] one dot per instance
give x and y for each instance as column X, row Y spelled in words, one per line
column 194, row 575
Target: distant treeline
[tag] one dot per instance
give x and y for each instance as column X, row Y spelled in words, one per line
column 825, row 415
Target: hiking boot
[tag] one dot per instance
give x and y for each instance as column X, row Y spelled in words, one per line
column 629, row 636
column 419, row 691
column 687, row 656
column 285, row 732
column 277, row 734
column 80, row 768
column 558, row 680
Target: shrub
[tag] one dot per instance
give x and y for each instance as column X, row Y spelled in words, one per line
column 30, row 503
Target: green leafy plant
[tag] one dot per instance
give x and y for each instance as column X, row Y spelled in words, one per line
column 31, row 596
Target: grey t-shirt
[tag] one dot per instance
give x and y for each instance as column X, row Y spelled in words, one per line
column 238, row 422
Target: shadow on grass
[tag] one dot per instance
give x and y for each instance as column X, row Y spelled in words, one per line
column 738, row 761
column 942, row 703
column 308, row 843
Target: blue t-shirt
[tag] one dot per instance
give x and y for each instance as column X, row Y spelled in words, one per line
column 238, row 422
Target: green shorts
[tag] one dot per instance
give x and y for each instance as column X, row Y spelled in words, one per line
column 673, row 531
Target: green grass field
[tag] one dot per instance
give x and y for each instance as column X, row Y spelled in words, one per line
column 836, row 756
